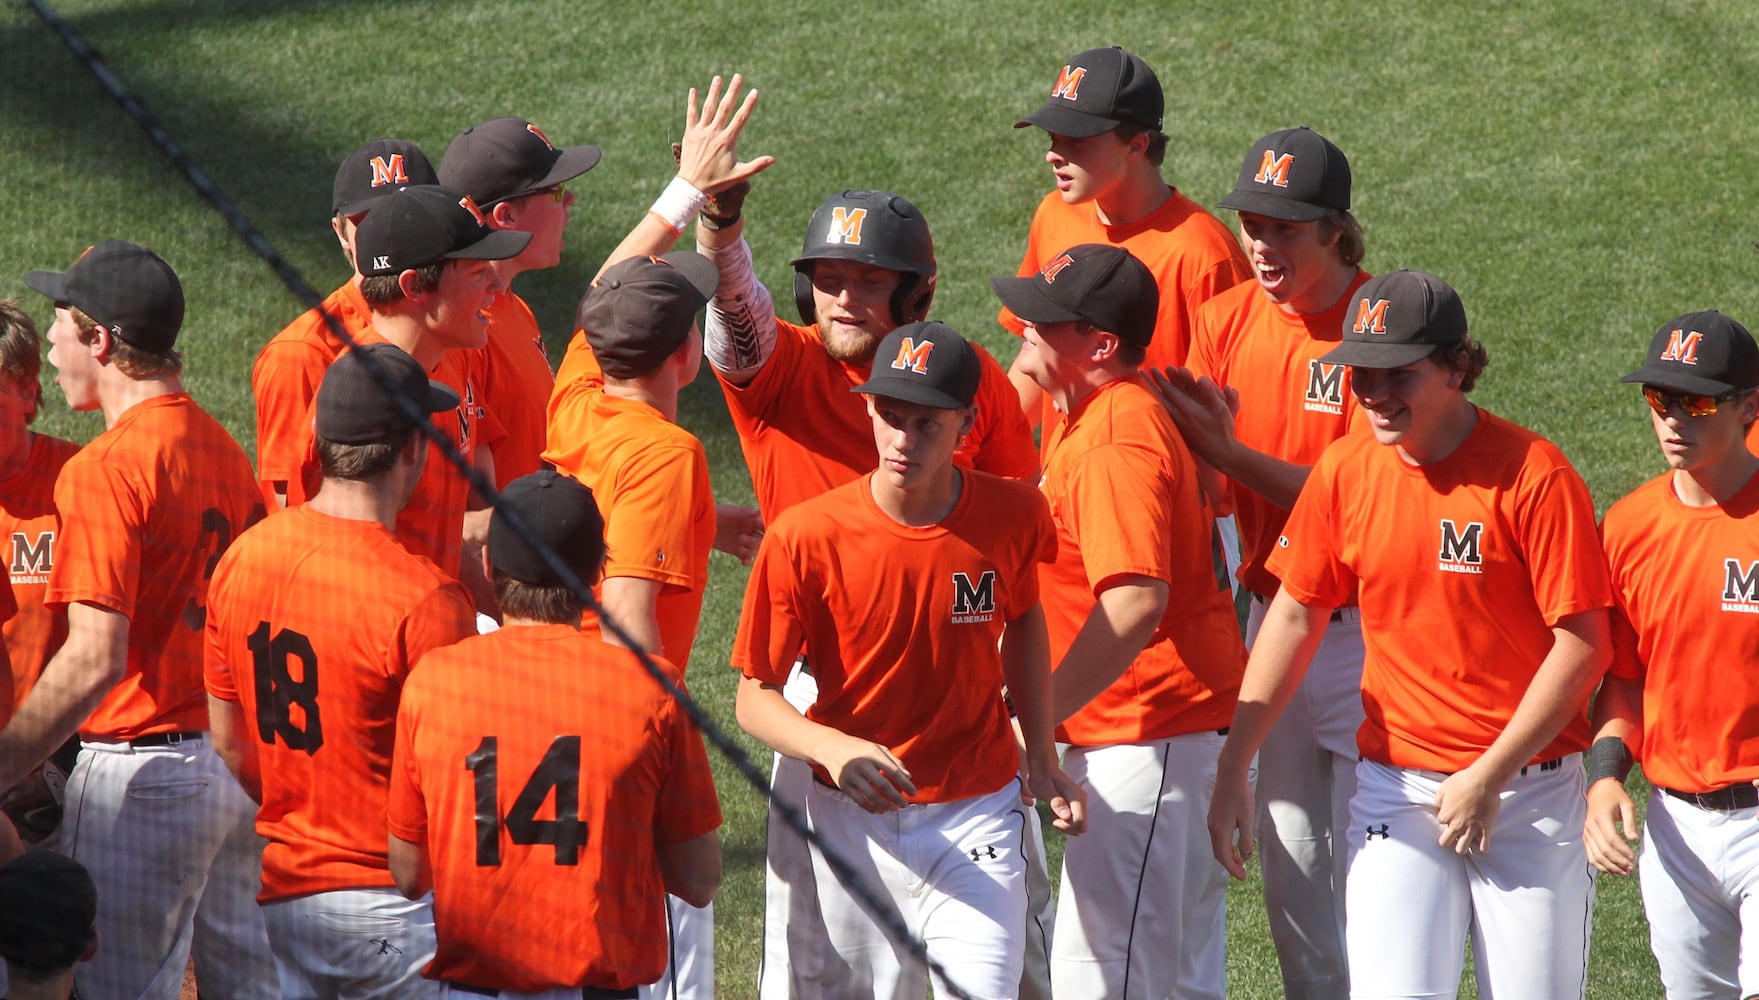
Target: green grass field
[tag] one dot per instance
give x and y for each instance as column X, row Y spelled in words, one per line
column 1573, row 168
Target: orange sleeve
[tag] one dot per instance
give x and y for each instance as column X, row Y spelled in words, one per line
column 1306, row 559
column 98, row 550
column 285, row 381
column 1122, row 513
column 1000, row 441
column 770, row 636
column 1561, row 545
column 650, row 524
column 686, row 806
column 439, row 620
column 406, row 811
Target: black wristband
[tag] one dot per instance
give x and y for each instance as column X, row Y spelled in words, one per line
column 1609, row 758
column 708, row 221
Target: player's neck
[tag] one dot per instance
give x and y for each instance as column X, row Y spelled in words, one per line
column 121, row 393
column 1066, row 397
column 1324, row 294
column 918, row 505
column 17, row 454
column 657, row 390
column 1717, row 483
column 1136, row 197
column 354, row 500
column 1444, row 437
column 407, row 333
column 505, row 271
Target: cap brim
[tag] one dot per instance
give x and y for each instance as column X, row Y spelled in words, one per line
column 500, row 244
column 909, row 392
column 1679, row 381
column 574, row 161
column 361, row 206
column 50, row 283
column 1061, row 120
column 1025, row 298
column 1271, row 206
column 699, row 271
column 1360, row 354
column 441, row 397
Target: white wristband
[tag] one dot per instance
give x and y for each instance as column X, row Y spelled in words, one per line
column 678, row 204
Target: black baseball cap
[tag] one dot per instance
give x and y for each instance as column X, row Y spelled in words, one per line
column 1093, row 283
column 1097, row 91
column 506, row 158
column 427, row 224
column 641, row 309
column 48, row 906
column 929, row 364
column 1399, row 319
column 561, row 515
column 379, row 168
column 126, row 287
column 1703, row 353
column 354, row 408
column 1296, row 175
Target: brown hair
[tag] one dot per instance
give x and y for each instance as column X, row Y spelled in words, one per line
column 381, row 290
column 1468, row 357
column 20, row 356
column 554, row 605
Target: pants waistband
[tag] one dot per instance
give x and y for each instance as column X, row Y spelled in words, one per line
column 586, row 992
column 1350, row 613
column 1737, row 796
column 150, row 740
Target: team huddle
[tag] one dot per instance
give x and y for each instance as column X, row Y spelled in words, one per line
column 1265, row 581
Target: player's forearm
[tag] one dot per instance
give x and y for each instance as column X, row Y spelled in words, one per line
column 230, row 734
column 691, row 870
column 1618, row 711
column 1025, row 653
column 410, row 869
column 1122, row 621
column 651, row 237
column 1270, row 477
column 1580, row 651
column 739, row 334
column 632, row 603
column 763, row 712
column 71, row 687
column 1286, row 642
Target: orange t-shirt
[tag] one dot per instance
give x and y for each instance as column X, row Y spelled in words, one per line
column 1191, row 254
column 516, row 386
column 28, row 523
column 1451, row 645
column 804, row 432
column 1686, row 581
column 901, row 623
column 313, row 623
column 650, row 478
column 578, row 362
column 431, row 524
column 285, row 380
column 1123, row 492
column 146, row 511
column 554, row 726
column 1291, row 404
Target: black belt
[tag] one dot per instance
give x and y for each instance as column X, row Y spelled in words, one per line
column 1739, row 796
column 166, row 739
column 586, row 992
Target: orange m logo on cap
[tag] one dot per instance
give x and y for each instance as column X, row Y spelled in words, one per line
column 913, row 356
column 469, row 205
column 1049, row 271
column 1275, row 169
column 1068, row 83
column 846, row 226
column 534, row 130
column 1370, row 317
column 1682, row 347
column 389, row 171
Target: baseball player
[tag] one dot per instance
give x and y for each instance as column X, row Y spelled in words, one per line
column 47, row 908
column 1144, row 685
column 1103, row 118
column 884, row 584
column 290, row 366
column 1258, row 345
column 584, row 793
column 29, row 463
column 1478, row 668
column 1683, row 548
column 315, row 616
column 146, row 510
column 519, row 179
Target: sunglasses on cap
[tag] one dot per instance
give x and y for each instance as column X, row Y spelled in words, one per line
column 1691, row 404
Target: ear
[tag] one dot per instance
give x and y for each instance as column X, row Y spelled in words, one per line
column 1749, row 408
column 1105, row 345
column 488, row 567
column 968, row 421
column 1138, row 146
column 103, row 345
column 503, row 215
column 410, row 286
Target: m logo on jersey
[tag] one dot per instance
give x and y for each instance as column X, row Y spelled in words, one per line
column 1461, row 549
column 1325, row 387
column 913, row 356
column 1370, row 316
column 31, row 563
column 469, row 205
column 974, row 602
column 1682, row 347
column 1068, row 85
column 1050, row 271
column 1274, row 170
column 1740, row 588
column 846, row 226
column 389, row 171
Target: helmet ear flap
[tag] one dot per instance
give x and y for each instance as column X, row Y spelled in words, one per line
column 803, row 296
column 912, row 298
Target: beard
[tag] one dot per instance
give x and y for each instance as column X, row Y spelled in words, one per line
column 850, row 347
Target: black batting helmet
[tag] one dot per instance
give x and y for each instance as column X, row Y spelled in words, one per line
column 870, row 227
